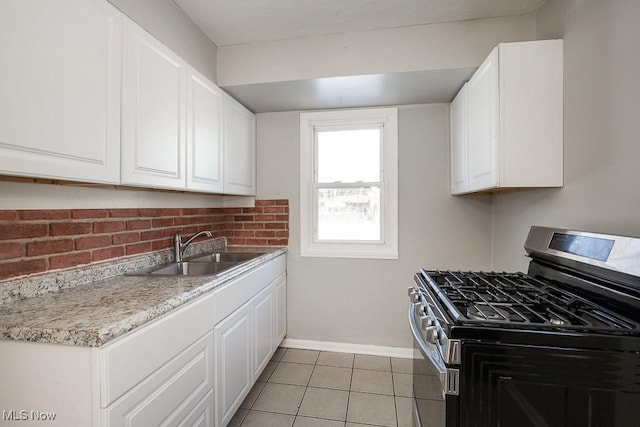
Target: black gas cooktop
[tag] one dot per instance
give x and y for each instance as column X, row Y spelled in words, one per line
column 521, row 301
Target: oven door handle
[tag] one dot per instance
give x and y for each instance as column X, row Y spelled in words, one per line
column 428, row 353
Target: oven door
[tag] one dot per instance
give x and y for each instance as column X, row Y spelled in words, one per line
column 435, row 403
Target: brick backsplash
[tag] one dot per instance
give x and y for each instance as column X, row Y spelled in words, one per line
column 35, row 241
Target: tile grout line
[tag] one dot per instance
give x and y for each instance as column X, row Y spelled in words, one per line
column 395, row 400
column 353, row 364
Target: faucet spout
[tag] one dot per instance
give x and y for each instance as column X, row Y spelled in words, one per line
column 180, row 247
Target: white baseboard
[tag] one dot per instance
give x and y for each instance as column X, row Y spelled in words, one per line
column 374, row 350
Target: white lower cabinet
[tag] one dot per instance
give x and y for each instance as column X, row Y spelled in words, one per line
column 280, row 299
column 190, row 367
column 263, row 321
column 232, row 362
column 202, row 415
column 245, row 340
column 169, row 395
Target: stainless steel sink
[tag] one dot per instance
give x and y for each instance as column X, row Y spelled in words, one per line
column 223, row 257
column 193, row 268
column 207, row 265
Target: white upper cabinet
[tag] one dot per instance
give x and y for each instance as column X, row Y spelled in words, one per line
column 482, row 119
column 512, row 136
column 458, row 129
column 153, row 112
column 60, row 89
column 172, row 125
column 239, row 148
column 204, row 134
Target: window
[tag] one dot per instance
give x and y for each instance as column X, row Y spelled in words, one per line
column 349, row 183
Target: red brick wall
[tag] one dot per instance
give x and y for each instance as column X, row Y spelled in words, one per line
column 34, row 241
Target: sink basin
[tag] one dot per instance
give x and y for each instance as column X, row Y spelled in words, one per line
column 193, row 268
column 224, row 257
column 207, row 265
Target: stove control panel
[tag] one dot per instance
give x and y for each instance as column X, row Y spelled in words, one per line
column 579, row 248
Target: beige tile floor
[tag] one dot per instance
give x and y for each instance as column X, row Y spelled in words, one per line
column 306, row 388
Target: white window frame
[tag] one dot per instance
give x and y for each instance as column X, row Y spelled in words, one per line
column 387, row 119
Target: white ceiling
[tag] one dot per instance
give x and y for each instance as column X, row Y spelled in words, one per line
column 231, row 22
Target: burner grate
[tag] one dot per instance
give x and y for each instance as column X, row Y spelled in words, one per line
column 519, row 299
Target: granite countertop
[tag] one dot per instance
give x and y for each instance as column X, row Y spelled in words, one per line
column 92, row 314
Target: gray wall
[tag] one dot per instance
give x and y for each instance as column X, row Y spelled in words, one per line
column 365, row 301
column 601, row 129
column 169, row 24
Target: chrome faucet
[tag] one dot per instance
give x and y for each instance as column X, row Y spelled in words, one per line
column 180, row 247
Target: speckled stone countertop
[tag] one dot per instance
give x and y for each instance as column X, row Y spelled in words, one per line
column 91, row 314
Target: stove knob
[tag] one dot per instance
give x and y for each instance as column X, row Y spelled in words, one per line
column 433, row 335
column 425, row 322
column 414, row 297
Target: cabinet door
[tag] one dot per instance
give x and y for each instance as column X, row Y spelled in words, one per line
column 458, row 137
column 482, row 111
column 263, row 321
column 280, row 292
column 232, row 363
column 239, row 149
column 60, row 89
column 153, row 112
column 204, row 134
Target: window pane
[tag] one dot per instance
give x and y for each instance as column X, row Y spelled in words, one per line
column 348, row 155
column 349, row 214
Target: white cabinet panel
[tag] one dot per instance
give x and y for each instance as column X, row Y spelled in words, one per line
column 233, row 370
column 202, row 415
column 60, row 89
column 263, row 321
column 171, row 393
column 280, row 310
column 153, row 112
column 482, row 113
column 239, row 148
column 204, row 134
column 459, row 135
column 531, row 114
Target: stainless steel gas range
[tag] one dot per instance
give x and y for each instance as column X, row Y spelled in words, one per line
column 558, row 346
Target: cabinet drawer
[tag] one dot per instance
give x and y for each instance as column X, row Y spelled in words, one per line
column 237, row 292
column 202, row 415
column 130, row 359
column 169, row 395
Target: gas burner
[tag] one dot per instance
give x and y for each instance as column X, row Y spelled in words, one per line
column 486, row 312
